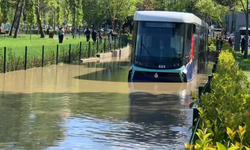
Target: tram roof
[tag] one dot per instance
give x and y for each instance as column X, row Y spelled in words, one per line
column 168, row 16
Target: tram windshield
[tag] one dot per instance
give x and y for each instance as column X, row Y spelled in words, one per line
column 159, row 40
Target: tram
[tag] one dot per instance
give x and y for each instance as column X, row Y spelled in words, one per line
column 167, row 47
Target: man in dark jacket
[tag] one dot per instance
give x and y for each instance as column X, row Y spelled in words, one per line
column 243, row 45
column 94, row 34
column 87, row 33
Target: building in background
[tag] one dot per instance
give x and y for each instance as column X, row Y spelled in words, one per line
column 236, row 21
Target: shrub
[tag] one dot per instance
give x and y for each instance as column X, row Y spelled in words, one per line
column 225, row 109
column 212, row 47
column 226, row 47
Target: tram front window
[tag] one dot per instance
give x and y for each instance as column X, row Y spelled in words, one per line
column 159, row 41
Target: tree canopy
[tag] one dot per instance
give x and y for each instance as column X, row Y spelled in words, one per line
column 97, row 12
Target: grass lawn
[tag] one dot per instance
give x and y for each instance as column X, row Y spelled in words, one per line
column 17, row 46
column 24, row 40
column 244, row 64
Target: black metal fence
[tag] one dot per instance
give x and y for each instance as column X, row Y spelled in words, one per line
column 202, row 90
column 22, row 58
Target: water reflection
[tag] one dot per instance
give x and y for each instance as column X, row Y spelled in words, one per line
column 115, row 72
column 51, row 108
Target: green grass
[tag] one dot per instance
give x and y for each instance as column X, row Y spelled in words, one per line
column 24, row 40
column 16, row 50
column 17, row 46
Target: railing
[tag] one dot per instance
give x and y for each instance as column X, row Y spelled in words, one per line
column 202, row 90
column 22, row 58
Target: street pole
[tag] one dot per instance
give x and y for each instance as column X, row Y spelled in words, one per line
column 247, row 33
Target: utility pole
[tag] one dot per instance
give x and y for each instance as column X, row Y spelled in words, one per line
column 247, row 32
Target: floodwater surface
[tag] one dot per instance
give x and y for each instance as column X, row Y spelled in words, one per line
column 92, row 107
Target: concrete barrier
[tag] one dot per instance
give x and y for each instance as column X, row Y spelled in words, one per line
column 123, row 53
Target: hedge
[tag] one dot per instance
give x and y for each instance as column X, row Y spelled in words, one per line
column 225, row 111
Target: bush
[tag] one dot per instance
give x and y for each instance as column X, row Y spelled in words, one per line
column 212, row 47
column 226, row 47
column 225, row 110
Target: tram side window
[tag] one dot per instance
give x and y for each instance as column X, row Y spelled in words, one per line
column 188, row 40
column 201, row 47
column 134, row 38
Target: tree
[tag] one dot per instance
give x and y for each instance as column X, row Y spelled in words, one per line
column 0, row 13
column 245, row 6
column 146, row 5
column 4, row 10
column 115, row 7
column 213, row 10
column 19, row 16
column 31, row 11
column 239, row 5
column 38, row 5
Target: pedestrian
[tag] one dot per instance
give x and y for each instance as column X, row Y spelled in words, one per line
column 94, row 34
column 48, row 30
column 217, row 42
column 230, row 41
column 243, row 44
column 110, row 37
column 100, row 35
column 87, row 33
column 60, row 35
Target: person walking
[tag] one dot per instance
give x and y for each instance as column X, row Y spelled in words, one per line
column 243, row 44
column 94, row 35
column 60, row 35
column 230, row 41
column 110, row 38
column 100, row 35
column 87, row 33
column 220, row 43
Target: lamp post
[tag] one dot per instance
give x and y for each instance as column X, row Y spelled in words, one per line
column 232, row 17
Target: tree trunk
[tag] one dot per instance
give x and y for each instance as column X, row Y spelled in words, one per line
column 19, row 18
column 14, row 20
column 74, row 21
column 246, row 36
column 39, row 22
column 113, row 23
column 30, row 32
column 54, row 22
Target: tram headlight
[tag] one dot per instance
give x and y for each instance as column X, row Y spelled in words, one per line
column 176, row 64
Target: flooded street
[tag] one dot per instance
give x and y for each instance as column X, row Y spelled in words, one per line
column 92, row 107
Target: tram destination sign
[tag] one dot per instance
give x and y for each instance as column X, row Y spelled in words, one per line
column 160, row 25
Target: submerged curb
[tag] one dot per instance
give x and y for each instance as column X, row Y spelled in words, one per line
column 125, row 52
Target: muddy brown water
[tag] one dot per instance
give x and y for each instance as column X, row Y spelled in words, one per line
column 92, row 106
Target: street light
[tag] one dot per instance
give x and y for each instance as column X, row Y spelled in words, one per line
column 232, row 14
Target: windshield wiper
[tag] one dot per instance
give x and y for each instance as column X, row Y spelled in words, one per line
column 145, row 48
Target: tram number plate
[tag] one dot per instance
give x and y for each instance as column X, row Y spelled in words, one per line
column 162, row 66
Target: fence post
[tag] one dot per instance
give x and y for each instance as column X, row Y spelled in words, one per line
column 26, row 58
column 104, row 48
column 213, row 71
column 195, row 116
column 200, row 90
column 97, row 46
column 69, row 53
column 89, row 51
column 120, row 43
column 5, row 60
column 57, row 54
column 115, row 43
column 43, row 56
column 80, row 53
